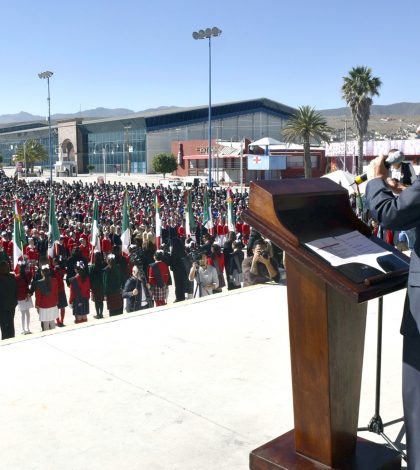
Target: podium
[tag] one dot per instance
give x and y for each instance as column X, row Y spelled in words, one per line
column 327, row 318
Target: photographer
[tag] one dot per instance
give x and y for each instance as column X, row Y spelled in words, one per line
column 204, row 275
column 261, row 267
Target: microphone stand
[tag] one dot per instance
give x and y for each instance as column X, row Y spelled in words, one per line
column 376, row 424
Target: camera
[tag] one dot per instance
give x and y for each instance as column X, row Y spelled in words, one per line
column 265, row 254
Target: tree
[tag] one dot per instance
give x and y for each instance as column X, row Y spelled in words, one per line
column 164, row 163
column 32, row 152
column 303, row 126
column 358, row 89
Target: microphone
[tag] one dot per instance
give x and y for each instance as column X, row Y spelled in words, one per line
column 395, row 157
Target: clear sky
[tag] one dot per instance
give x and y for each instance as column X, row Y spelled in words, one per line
column 140, row 54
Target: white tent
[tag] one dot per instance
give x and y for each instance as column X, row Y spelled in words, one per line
column 264, row 142
column 343, row 178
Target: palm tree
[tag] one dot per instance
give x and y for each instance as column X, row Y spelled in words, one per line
column 31, row 152
column 303, row 126
column 358, row 89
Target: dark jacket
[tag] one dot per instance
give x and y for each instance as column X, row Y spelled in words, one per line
column 112, row 280
column 401, row 213
column 135, row 302
column 8, row 292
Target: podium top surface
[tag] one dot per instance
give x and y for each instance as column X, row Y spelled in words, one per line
column 293, row 212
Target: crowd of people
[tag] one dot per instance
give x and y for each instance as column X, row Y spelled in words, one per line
column 194, row 264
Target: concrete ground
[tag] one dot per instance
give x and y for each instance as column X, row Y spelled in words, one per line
column 192, row 386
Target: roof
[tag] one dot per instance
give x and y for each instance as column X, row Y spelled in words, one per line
column 178, row 116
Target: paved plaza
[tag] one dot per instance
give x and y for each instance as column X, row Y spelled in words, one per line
column 194, row 386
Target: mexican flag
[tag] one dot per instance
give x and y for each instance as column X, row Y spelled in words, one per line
column 125, row 235
column 157, row 221
column 231, row 214
column 190, row 224
column 19, row 238
column 207, row 214
column 53, row 232
column 94, row 233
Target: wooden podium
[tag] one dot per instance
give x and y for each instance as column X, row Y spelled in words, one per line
column 327, row 317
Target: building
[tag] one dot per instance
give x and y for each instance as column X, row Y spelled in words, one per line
column 342, row 154
column 128, row 144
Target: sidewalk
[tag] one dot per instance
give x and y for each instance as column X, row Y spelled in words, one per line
column 193, row 386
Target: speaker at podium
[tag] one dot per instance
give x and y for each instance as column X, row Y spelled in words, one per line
column 327, row 305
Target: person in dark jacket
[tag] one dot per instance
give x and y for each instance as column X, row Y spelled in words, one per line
column 136, row 292
column 96, row 276
column 8, row 296
column 177, row 264
column 112, row 287
column 402, row 213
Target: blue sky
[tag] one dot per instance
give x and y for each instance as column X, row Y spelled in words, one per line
column 139, row 54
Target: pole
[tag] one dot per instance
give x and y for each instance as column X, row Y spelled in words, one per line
column 209, row 167
column 241, row 162
column 49, row 130
column 104, row 160
column 345, row 143
column 24, row 158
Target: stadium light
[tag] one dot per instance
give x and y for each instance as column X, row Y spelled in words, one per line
column 208, row 34
column 47, row 75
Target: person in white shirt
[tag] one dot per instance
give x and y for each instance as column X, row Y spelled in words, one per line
column 204, row 277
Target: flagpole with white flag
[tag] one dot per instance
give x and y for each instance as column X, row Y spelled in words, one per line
column 125, row 235
column 53, row 232
column 231, row 215
column 158, row 225
column 94, row 234
column 18, row 234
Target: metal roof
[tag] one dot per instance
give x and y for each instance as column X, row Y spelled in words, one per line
column 178, row 116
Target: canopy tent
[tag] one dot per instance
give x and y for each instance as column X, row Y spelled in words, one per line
column 264, row 142
column 343, row 178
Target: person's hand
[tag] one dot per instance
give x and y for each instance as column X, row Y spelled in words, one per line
column 135, row 292
column 395, row 185
column 377, row 168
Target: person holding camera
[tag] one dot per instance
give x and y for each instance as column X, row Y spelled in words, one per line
column 204, row 276
column 261, row 267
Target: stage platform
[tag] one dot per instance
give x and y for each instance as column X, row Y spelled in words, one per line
column 192, row 386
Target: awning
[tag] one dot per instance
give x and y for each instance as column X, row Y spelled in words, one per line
column 206, row 157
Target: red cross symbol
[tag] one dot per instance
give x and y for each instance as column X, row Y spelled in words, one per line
column 257, row 160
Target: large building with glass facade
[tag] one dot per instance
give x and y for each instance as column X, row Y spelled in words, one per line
column 128, row 144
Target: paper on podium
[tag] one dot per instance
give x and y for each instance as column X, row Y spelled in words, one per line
column 352, row 247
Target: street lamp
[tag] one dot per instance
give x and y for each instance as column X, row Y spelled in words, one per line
column 47, row 75
column 208, row 34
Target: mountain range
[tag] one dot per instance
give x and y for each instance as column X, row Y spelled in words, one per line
column 398, row 120
column 396, row 109
column 96, row 113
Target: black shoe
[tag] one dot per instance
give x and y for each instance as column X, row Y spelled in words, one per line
column 98, row 317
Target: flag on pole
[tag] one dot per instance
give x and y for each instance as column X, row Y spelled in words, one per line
column 125, row 235
column 231, row 215
column 53, row 232
column 190, row 224
column 94, row 234
column 19, row 238
column 157, row 221
column 207, row 214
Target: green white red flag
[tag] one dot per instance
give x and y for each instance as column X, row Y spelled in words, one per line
column 190, row 224
column 53, row 232
column 158, row 225
column 231, row 214
column 125, row 235
column 19, row 237
column 207, row 214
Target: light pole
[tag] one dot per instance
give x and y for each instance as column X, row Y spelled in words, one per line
column 48, row 75
column 208, row 34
